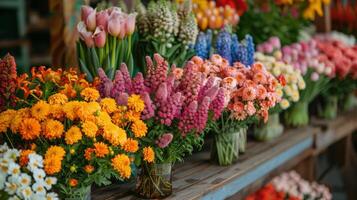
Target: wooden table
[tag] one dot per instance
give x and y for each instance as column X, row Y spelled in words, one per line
column 198, row 178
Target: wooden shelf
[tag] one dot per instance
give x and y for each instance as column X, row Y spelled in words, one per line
column 198, row 178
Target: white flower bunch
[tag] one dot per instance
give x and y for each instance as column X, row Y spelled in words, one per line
column 293, row 78
column 18, row 183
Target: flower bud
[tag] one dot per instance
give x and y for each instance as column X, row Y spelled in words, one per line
column 130, row 23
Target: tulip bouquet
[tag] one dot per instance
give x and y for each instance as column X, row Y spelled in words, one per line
column 22, row 175
column 105, row 40
column 168, row 29
column 344, row 82
column 290, row 80
column 227, row 46
column 248, row 95
column 316, row 71
column 177, row 107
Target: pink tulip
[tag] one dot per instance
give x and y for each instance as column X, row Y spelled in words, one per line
column 84, row 34
column 113, row 9
column 123, row 29
column 85, row 11
column 114, row 24
column 130, row 23
column 102, row 19
column 99, row 37
column 90, row 20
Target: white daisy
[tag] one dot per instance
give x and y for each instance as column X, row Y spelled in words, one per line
column 49, row 181
column 14, row 198
column 24, row 180
column 35, row 161
column 2, row 180
column 3, row 148
column 52, row 196
column 39, row 174
column 11, row 187
column 26, row 192
column 12, row 154
column 14, row 169
column 39, row 188
column 38, row 196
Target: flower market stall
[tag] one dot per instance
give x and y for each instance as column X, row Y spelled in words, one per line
column 186, row 99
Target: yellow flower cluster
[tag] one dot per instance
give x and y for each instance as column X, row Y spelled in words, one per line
column 288, row 91
column 314, row 7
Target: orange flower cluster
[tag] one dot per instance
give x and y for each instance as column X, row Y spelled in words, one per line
column 269, row 192
column 53, row 159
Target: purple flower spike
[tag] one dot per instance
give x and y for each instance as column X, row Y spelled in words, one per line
column 187, row 119
column 169, row 110
column 118, row 84
column 122, row 99
column 149, row 110
column 126, row 76
column 164, row 140
column 217, row 104
column 161, row 95
column 138, row 86
column 202, row 115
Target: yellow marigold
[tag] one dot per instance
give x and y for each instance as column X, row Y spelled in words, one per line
column 52, row 129
column 58, row 98
column 88, row 153
column 93, row 107
column 149, row 154
column 108, row 105
column 118, row 119
column 52, row 165
column 90, row 94
column 88, row 169
column 83, row 113
column 55, row 151
column 30, row 129
column 121, row 163
column 89, row 129
column 6, row 118
column 132, row 115
column 70, row 109
column 101, row 149
column 135, row 103
column 103, row 119
column 18, row 118
column 57, row 112
column 114, row 134
column 131, row 145
column 40, row 110
column 139, row 128
column 24, row 159
column 73, row 135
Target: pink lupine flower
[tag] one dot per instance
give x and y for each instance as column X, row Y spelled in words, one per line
column 203, row 91
column 212, row 92
column 164, row 140
column 126, row 77
column 169, row 110
column 148, row 111
column 105, row 86
column 202, row 114
column 118, row 84
column 138, row 84
column 190, row 83
column 187, row 119
column 217, row 105
column 158, row 75
column 122, row 99
column 161, row 95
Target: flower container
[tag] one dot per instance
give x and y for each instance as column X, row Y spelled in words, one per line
column 83, row 193
column 327, row 108
column 297, row 115
column 270, row 130
column 348, row 101
column 154, row 181
column 242, row 140
column 226, row 147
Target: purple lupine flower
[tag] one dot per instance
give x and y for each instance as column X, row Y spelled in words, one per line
column 126, row 77
column 190, row 83
column 223, row 45
column 170, row 82
column 212, row 92
column 149, row 71
column 105, row 86
column 161, row 95
column 217, row 105
column 149, row 110
column 122, row 99
column 164, row 140
column 168, row 111
column 158, row 74
column 138, row 86
column 201, row 115
column 118, row 84
column 187, row 118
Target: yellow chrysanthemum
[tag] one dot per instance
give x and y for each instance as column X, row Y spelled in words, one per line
column 102, row 119
column 135, row 103
column 132, row 115
column 57, row 112
column 52, row 129
column 131, row 145
column 70, row 109
column 73, row 135
column 40, row 110
column 284, row 104
column 89, row 128
column 139, row 128
column 121, row 163
column 55, row 151
column 58, row 98
column 108, row 105
column 149, row 154
column 83, row 112
column 6, row 118
column 101, row 149
column 30, row 129
column 93, row 107
column 114, row 134
column 118, row 119
column 90, row 94
column 53, row 159
column 18, row 118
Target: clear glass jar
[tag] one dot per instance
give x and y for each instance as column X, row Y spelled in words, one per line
column 270, row 130
column 79, row 194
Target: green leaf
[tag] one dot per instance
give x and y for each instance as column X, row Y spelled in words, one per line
column 85, row 70
column 172, row 50
column 95, row 58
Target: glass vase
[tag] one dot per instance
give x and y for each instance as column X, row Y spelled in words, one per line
column 297, row 115
column 270, row 130
column 327, row 108
column 79, row 194
column 154, row 181
column 242, row 140
column 348, row 101
column 226, row 146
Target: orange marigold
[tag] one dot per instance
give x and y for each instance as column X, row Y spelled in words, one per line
column 57, row 99
column 149, row 154
column 131, row 145
column 90, row 94
column 139, row 128
column 55, row 151
column 69, row 91
column 30, row 129
column 52, row 129
column 73, row 135
column 114, row 134
column 132, row 115
column 83, row 112
column 101, row 149
column 135, row 103
column 89, row 128
column 70, row 109
column 18, row 118
column 118, row 119
column 6, row 118
column 40, row 110
column 52, row 165
column 121, row 163
column 57, row 112
column 24, row 159
column 73, row 182
column 108, row 105
column 89, row 169
column 88, row 153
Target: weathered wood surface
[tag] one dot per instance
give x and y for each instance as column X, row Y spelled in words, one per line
column 333, row 130
column 197, row 178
